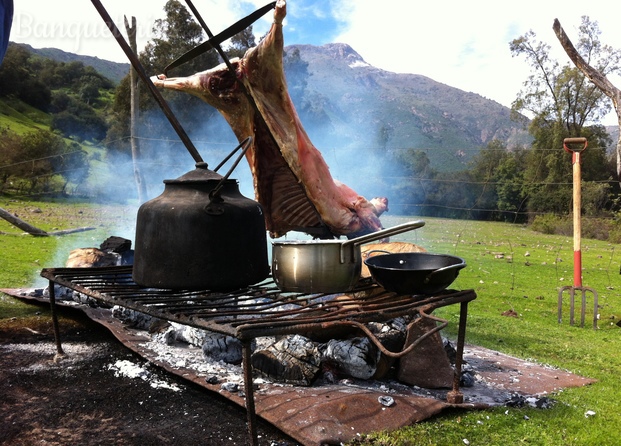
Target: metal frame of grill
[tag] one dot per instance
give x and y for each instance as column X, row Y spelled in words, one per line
column 262, row 310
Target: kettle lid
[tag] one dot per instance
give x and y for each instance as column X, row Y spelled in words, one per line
column 200, row 174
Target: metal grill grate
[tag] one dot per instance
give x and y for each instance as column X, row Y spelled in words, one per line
column 259, row 310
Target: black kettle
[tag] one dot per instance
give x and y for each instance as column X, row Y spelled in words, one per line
column 201, row 233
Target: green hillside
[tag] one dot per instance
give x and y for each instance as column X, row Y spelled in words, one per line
column 114, row 71
column 21, row 117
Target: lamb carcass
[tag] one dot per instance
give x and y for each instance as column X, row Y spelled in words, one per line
column 291, row 178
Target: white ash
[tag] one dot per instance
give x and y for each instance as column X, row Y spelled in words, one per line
column 129, row 369
column 133, row 318
column 185, row 356
column 173, row 332
column 62, row 293
column 292, row 359
column 356, row 357
column 215, row 346
column 223, row 348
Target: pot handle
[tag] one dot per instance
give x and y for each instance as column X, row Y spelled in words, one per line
column 384, row 233
column 457, row 266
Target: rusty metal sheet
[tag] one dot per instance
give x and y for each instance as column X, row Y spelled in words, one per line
column 331, row 414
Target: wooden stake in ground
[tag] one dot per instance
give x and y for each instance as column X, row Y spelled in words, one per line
column 138, row 177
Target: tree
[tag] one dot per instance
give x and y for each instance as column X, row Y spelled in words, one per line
column 559, row 92
column 240, row 43
column 35, row 157
column 175, row 35
column 595, row 70
column 14, row 70
column 563, row 104
column 18, row 78
column 498, row 175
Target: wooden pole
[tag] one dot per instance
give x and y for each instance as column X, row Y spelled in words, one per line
column 576, row 146
column 134, row 101
column 21, row 224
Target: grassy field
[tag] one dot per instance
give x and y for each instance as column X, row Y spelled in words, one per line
column 509, row 266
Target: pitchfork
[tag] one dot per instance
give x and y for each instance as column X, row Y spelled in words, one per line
column 576, row 146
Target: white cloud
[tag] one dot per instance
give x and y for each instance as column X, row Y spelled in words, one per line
column 462, row 44
column 466, row 44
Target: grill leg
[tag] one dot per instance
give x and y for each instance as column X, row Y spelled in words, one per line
column 455, row 396
column 249, row 390
column 59, row 347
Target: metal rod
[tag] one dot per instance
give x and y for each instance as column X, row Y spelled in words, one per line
column 147, row 80
column 59, row 347
column 455, row 396
column 210, row 34
column 249, row 390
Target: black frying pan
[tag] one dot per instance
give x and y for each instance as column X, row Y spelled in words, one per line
column 414, row 272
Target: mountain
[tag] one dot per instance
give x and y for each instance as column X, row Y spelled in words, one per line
column 114, row 71
column 374, row 108
column 345, row 103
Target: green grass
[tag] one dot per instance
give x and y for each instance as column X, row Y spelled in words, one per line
column 23, row 256
column 21, row 117
column 509, row 266
column 512, row 267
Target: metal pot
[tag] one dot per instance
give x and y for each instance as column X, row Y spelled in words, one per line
column 414, row 272
column 324, row 266
column 201, row 233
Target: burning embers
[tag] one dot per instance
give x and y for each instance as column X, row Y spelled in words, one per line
column 306, row 359
column 302, row 361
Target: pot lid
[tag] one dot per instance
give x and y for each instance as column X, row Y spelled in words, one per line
column 198, row 175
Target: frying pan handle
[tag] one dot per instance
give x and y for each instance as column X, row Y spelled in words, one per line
column 445, row 268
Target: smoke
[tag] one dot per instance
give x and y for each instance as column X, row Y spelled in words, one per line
column 350, row 144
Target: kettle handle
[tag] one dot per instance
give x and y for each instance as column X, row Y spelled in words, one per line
column 246, row 145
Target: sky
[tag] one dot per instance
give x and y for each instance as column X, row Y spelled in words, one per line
column 461, row 44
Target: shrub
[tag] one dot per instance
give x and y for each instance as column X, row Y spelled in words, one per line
column 546, row 224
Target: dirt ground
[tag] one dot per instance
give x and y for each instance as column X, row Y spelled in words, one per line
column 79, row 400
